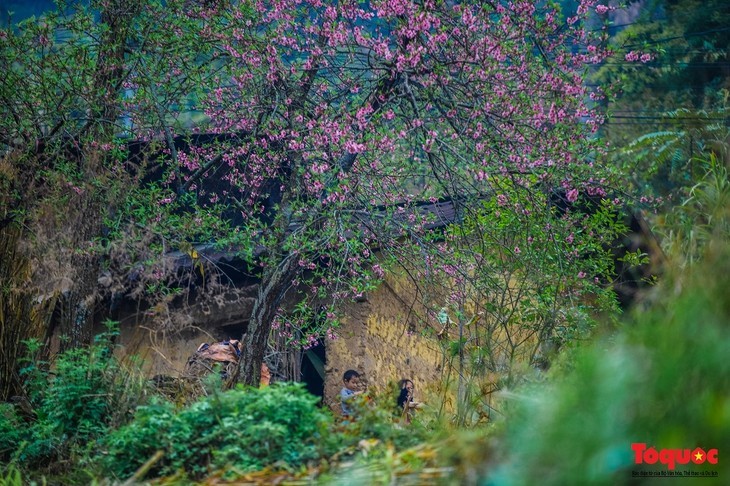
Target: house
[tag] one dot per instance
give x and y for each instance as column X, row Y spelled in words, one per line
column 387, row 335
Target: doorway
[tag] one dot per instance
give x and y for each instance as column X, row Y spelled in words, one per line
column 313, row 361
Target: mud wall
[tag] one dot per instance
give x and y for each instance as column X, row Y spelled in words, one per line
column 166, row 335
column 381, row 339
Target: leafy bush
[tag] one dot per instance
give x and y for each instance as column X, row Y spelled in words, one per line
column 68, row 405
column 11, row 430
column 241, row 429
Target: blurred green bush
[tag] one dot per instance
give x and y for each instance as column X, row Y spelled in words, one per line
column 663, row 380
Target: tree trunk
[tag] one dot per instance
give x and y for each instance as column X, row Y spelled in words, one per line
column 76, row 310
column 77, row 305
column 275, row 281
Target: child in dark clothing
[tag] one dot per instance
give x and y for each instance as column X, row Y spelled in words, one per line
column 405, row 402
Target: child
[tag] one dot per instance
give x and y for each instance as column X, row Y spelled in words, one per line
column 350, row 379
column 406, row 404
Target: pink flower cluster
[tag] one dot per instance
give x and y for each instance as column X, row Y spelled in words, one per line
column 633, row 56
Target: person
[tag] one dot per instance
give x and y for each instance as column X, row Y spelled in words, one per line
column 406, row 403
column 349, row 391
column 265, row 375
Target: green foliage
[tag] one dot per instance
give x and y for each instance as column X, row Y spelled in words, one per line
column 379, row 419
column 663, row 381
column 671, row 108
column 11, row 476
column 12, row 430
column 667, row 162
column 688, row 42
column 702, row 218
column 240, row 430
column 529, row 278
column 70, row 404
column 131, row 445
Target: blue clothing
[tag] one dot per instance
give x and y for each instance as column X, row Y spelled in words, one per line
column 346, row 395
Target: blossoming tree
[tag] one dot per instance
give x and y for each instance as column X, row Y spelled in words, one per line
column 333, row 120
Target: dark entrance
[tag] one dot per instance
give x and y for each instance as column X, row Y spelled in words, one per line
column 313, row 361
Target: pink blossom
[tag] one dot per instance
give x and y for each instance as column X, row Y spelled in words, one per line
column 572, row 195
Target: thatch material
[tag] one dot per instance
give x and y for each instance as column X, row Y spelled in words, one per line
column 221, row 357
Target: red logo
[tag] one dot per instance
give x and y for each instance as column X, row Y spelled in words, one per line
column 671, row 457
